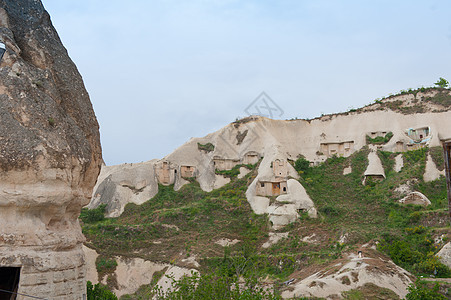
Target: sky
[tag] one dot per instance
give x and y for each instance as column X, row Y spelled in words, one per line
column 159, row 72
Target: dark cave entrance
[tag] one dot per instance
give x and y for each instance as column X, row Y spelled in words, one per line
column 9, row 281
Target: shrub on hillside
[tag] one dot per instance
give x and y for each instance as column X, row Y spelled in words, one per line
column 442, row 83
column 415, row 156
column 93, row 215
column 401, row 253
column 419, row 291
column 99, row 292
column 379, row 140
column 301, row 165
column 432, row 265
column 208, row 147
column 104, row 265
column 215, row 286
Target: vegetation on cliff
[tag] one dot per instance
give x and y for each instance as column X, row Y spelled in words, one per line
column 190, row 221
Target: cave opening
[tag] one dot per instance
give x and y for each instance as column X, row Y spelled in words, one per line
column 9, row 282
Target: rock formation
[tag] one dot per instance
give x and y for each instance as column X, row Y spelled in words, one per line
column 352, row 272
column 445, row 254
column 50, row 156
column 415, row 198
column 375, row 170
column 118, row 185
column 274, row 143
column 431, row 172
column 131, row 273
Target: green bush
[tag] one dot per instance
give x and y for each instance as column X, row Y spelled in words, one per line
column 437, row 157
column 301, row 165
column 401, row 253
column 415, row 156
column 432, row 265
column 99, row 292
column 93, row 215
column 415, row 217
column 329, row 211
column 105, row 265
column 442, row 83
column 419, row 291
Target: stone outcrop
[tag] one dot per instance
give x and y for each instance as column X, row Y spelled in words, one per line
column 132, row 273
column 431, row 171
column 399, row 163
column 352, row 272
column 119, row 185
column 375, row 170
column 50, row 155
column 445, row 254
column 415, row 198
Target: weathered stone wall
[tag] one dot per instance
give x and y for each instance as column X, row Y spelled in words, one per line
column 50, row 155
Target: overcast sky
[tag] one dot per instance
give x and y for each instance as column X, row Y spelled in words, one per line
column 160, row 72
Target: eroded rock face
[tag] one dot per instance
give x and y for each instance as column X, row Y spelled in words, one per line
column 415, row 198
column 50, row 155
column 352, row 272
column 445, row 254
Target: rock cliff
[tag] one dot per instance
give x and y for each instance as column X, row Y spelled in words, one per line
column 50, row 155
column 397, row 124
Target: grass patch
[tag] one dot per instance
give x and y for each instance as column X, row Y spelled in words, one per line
column 93, row 215
column 437, row 156
column 196, row 218
column 372, row 211
column 442, row 98
column 208, row 147
column 379, row 140
column 105, row 265
column 235, row 171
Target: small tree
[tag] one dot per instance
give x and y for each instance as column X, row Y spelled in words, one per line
column 301, row 165
column 99, row 292
column 442, row 82
column 93, row 215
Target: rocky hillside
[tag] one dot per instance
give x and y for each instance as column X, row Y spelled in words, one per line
column 50, row 157
column 342, row 205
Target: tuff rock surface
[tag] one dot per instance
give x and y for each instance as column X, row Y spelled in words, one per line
column 270, row 141
column 50, row 155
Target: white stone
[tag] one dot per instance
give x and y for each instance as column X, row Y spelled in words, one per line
column 415, row 198
column 445, row 254
column 91, row 270
column 227, row 242
column 347, row 170
column 243, row 172
column 176, row 273
column 399, row 163
column 431, row 172
column 220, row 181
column 274, row 237
column 131, row 273
column 375, row 167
